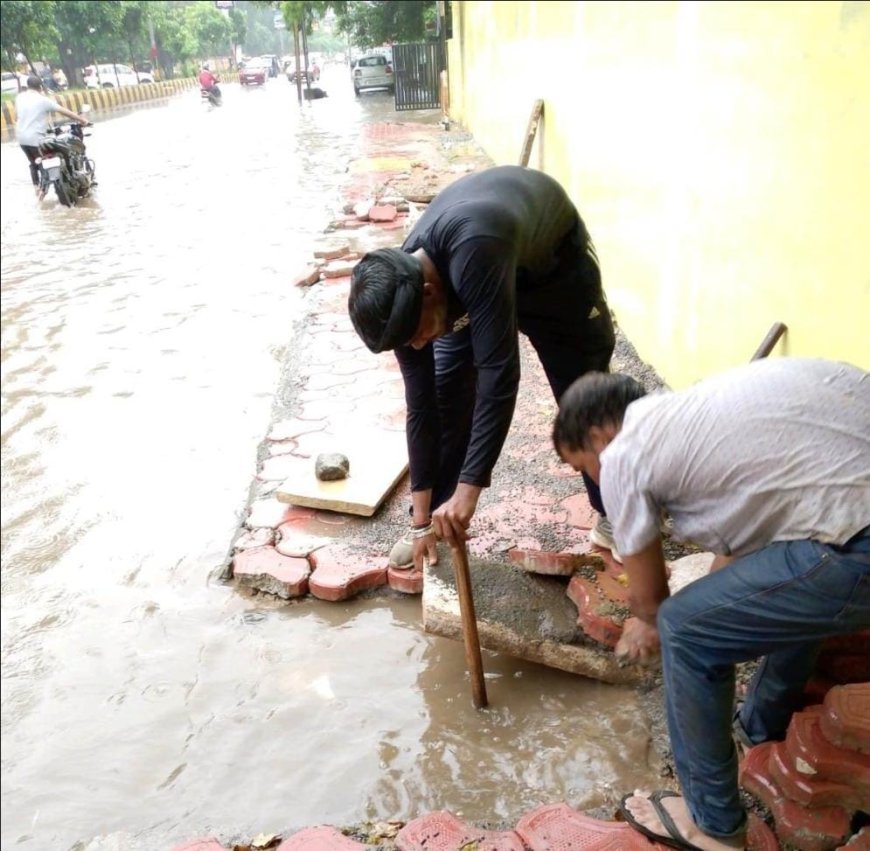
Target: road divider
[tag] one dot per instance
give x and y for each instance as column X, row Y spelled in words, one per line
column 107, row 98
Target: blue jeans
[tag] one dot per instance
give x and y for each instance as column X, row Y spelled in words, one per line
column 779, row 603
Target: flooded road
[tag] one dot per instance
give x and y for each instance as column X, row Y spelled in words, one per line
column 143, row 337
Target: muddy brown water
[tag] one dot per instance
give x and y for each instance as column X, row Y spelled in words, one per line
column 143, row 339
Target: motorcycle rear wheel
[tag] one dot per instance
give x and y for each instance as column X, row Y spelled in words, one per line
column 65, row 194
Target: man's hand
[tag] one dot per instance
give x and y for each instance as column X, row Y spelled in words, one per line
column 639, row 642
column 425, row 548
column 451, row 520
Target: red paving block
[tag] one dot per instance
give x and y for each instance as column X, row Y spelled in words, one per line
column 205, row 844
column 814, row 756
column 809, row 791
column 557, row 827
column 306, row 276
column 806, row 829
column 340, row 572
column 845, row 720
column 596, row 612
column 552, row 564
column 443, row 831
column 319, row 839
column 383, row 213
column 332, row 253
column 580, row 512
column 406, row 581
column 265, row 569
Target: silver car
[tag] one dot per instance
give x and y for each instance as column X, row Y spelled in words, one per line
column 373, row 71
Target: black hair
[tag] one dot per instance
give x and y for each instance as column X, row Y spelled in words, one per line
column 386, row 298
column 595, row 399
column 33, row 82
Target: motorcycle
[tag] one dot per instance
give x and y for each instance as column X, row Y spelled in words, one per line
column 212, row 95
column 64, row 164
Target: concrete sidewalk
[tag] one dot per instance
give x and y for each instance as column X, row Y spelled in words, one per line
column 542, row 591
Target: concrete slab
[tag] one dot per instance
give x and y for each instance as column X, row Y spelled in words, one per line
column 522, row 614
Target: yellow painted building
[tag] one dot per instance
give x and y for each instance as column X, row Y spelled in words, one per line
column 718, row 151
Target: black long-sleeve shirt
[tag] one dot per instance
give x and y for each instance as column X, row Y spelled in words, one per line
column 484, row 233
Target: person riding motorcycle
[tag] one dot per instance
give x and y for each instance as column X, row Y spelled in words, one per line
column 208, row 81
column 33, row 110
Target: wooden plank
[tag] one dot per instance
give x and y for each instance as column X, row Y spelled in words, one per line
column 378, row 459
column 531, row 131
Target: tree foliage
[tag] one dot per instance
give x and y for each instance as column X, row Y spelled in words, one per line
column 26, row 27
column 370, row 23
column 76, row 33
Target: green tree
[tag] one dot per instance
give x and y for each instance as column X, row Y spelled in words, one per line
column 88, row 32
column 177, row 41
column 211, row 29
column 27, row 28
column 370, row 23
column 239, row 25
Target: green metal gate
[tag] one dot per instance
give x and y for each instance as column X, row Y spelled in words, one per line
column 417, row 69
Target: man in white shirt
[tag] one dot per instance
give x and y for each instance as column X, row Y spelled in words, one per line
column 768, row 466
column 32, row 111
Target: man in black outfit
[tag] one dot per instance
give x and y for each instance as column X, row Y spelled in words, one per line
column 498, row 252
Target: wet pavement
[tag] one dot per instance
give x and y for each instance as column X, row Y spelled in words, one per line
column 145, row 336
column 148, row 348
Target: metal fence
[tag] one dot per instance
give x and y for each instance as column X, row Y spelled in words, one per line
column 417, row 69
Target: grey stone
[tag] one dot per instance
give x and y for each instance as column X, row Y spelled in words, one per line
column 331, row 466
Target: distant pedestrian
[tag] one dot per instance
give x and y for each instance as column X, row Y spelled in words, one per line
column 32, row 112
column 496, row 254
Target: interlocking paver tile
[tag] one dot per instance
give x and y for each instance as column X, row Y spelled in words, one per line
column 806, row 829
column 845, row 720
column 341, row 571
column 406, row 581
column 558, row 827
column 443, row 831
column 813, row 755
column 205, row 844
column 599, row 617
column 323, row 838
column 580, row 512
column 553, row 564
column 265, row 569
column 810, row 791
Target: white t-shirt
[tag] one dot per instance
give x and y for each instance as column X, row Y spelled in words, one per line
column 777, row 450
column 31, row 116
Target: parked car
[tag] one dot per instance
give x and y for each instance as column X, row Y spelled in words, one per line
column 107, row 76
column 10, row 81
column 254, row 72
column 373, row 71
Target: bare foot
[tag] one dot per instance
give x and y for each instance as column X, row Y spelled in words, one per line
column 643, row 811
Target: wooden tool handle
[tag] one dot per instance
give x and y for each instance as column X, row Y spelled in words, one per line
column 469, row 624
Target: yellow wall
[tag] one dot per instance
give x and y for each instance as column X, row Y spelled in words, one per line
column 718, row 151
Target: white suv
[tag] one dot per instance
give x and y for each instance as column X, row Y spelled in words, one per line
column 108, row 76
column 373, row 71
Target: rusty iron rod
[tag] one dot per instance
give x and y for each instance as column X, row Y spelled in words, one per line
column 772, row 338
column 469, row 624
